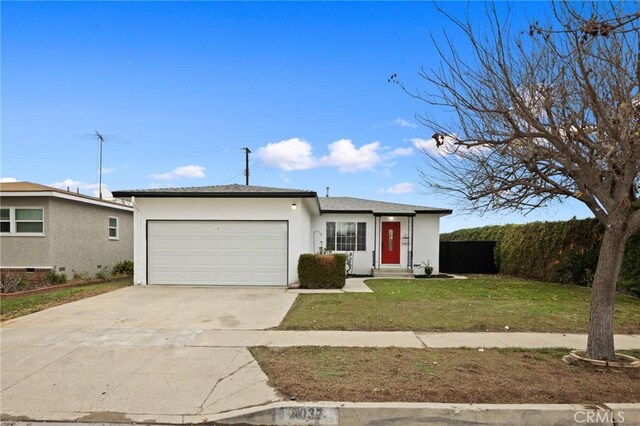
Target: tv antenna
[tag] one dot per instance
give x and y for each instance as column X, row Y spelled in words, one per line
column 102, row 139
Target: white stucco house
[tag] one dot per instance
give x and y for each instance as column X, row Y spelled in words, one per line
column 253, row 235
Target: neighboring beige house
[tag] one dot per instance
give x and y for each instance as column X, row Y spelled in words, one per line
column 44, row 228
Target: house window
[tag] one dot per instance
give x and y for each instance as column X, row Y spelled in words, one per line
column 347, row 236
column 20, row 220
column 5, row 220
column 113, row 228
column 29, row 221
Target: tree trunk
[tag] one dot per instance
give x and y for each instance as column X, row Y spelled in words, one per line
column 600, row 340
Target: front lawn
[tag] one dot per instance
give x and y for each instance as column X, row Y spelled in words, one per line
column 481, row 303
column 22, row 305
column 495, row 376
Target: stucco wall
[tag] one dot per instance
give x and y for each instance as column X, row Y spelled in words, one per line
column 426, row 241
column 26, row 251
column 362, row 260
column 75, row 237
column 222, row 209
column 80, row 238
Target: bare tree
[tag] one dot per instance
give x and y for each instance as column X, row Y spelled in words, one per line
column 542, row 115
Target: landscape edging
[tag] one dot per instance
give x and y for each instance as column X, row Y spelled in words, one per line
column 116, row 278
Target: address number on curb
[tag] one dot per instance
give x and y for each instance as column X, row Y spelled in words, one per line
column 307, row 416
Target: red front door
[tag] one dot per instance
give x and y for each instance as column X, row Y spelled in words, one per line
column 391, row 242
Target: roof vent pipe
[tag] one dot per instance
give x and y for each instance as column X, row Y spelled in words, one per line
column 327, row 191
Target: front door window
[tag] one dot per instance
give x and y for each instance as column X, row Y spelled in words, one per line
column 390, row 243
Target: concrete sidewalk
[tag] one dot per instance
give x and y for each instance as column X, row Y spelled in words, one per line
column 402, row 339
column 354, row 285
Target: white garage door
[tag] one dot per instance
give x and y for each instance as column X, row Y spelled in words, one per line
column 217, row 252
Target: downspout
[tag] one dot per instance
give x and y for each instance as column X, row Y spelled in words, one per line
column 136, row 227
column 373, row 254
column 411, row 243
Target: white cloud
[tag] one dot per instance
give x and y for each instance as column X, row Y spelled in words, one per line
column 344, row 155
column 290, row 154
column 8, row 179
column 107, row 170
column 93, row 188
column 399, row 152
column 429, row 145
column 450, row 146
column 400, row 122
column 400, row 188
column 188, row 172
column 285, row 178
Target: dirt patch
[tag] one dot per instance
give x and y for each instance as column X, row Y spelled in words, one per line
column 105, row 416
column 495, row 376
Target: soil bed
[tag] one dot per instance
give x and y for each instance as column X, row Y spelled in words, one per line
column 495, row 376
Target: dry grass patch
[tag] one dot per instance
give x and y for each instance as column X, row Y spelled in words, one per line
column 497, row 376
column 23, row 305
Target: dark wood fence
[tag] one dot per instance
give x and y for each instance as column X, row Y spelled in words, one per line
column 467, row 257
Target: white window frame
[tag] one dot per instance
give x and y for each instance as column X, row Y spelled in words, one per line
column 356, row 239
column 117, row 228
column 13, row 228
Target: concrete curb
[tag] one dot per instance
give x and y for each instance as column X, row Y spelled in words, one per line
column 385, row 413
column 363, row 413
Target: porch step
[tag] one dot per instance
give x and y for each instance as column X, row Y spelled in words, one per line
column 393, row 273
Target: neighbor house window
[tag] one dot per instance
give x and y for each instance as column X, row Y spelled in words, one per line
column 113, row 228
column 5, row 220
column 21, row 220
column 347, row 236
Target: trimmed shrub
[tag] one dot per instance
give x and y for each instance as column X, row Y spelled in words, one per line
column 102, row 274
column 552, row 251
column 53, row 278
column 630, row 271
column 123, row 267
column 578, row 266
column 322, row 270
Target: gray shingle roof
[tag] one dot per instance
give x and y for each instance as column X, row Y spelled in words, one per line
column 234, row 190
column 327, row 204
column 350, row 204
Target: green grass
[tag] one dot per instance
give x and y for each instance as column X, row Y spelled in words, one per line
column 477, row 304
column 22, row 305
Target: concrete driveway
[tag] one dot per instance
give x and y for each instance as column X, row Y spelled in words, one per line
column 131, row 355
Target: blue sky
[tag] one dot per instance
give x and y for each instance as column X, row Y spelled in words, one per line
column 179, row 88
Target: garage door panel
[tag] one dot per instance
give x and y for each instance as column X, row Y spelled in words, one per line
column 217, row 252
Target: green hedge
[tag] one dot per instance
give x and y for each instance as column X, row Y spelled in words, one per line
column 552, row 251
column 322, row 270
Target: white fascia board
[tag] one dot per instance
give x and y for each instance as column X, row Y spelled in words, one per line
column 67, row 197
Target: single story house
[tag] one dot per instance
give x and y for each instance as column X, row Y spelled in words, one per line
column 253, row 235
column 44, row 228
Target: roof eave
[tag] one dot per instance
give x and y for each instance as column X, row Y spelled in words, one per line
column 436, row 211
column 346, row 211
column 380, row 214
column 159, row 194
